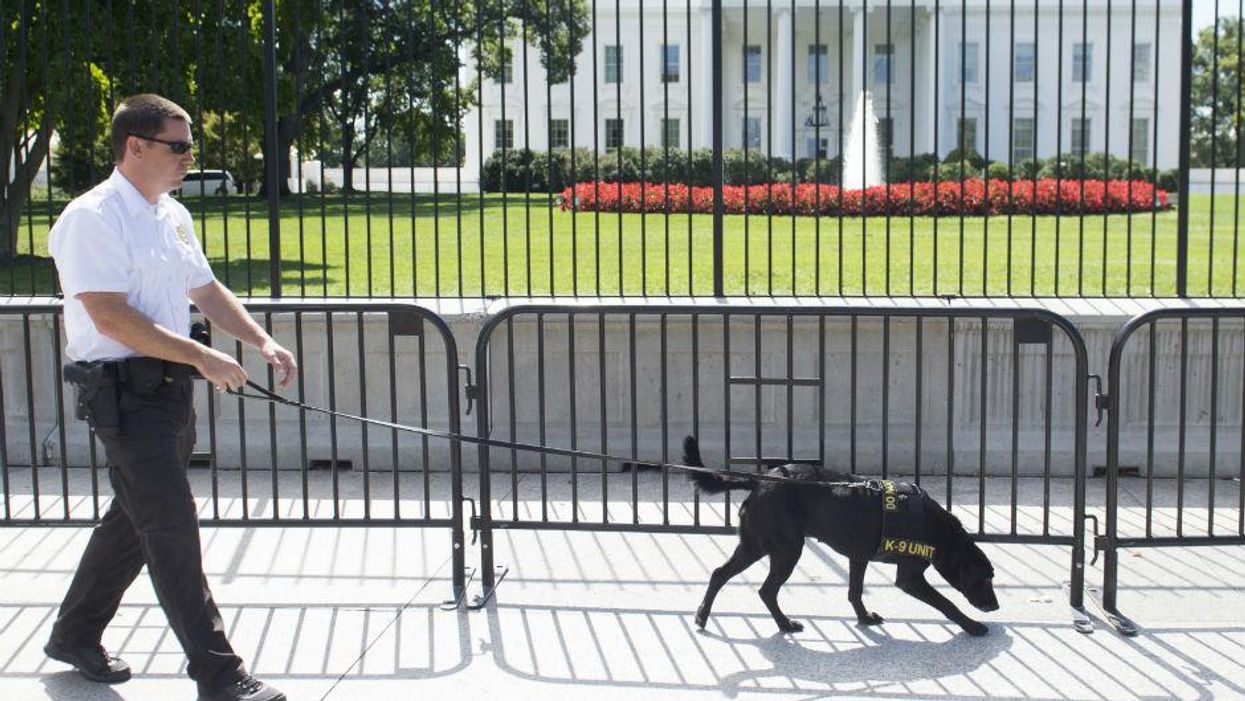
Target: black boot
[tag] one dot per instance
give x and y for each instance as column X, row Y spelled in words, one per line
column 247, row 688
column 92, row 661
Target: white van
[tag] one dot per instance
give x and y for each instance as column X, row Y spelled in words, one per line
column 199, row 183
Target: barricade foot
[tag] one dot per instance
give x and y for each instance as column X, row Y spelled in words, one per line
column 480, row 600
column 1121, row 623
column 460, row 593
column 1081, row 621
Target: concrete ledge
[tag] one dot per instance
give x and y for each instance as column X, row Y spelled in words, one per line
column 242, row 433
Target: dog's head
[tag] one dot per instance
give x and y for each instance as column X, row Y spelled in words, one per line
column 967, row 568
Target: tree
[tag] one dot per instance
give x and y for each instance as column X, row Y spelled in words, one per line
column 392, row 64
column 63, row 65
column 1216, row 96
column 349, row 69
column 29, row 112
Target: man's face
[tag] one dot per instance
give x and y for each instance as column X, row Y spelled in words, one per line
column 158, row 160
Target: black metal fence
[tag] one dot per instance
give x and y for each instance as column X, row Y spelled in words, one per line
column 985, row 408
column 262, row 466
column 1175, row 397
column 434, row 149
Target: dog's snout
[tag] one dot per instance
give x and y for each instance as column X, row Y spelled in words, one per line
column 986, row 600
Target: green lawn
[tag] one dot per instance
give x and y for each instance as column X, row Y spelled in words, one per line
column 338, row 245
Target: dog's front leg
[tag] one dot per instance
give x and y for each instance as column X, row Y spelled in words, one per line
column 855, row 593
column 912, row 581
column 740, row 560
column 781, row 564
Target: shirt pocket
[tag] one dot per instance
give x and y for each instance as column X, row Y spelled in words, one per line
column 162, row 277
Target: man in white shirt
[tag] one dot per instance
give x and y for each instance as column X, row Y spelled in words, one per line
column 129, row 265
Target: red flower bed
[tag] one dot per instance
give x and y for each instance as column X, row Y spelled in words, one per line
column 901, row 199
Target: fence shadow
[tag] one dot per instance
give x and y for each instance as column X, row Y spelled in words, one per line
column 329, row 641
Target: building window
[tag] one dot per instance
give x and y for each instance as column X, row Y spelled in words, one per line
column 613, row 134
column 503, row 133
column 1140, row 152
column 1080, row 135
column 752, row 132
column 613, row 64
column 752, row 63
column 1023, row 135
column 505, row 72
column 1141, row 63
column 818, row 64
column 559, row 133
column 883, row 63
column 1026, row 63
column 670, row 133
column 1082, row 62
column 670, row 63
column 966, row 133
column 886, row 137
column 967, row 57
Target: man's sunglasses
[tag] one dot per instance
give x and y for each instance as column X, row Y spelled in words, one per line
column 178, row 147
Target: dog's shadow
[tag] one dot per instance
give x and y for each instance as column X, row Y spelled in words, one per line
column 879, row 658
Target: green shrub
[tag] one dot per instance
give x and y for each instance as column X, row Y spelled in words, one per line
column 968, row 155
column 958, row 170
column 999, row 171
column 918, row 168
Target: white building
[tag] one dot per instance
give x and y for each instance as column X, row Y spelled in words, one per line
column 1118, row 78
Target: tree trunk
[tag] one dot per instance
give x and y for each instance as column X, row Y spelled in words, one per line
column 17, row 191
column 348, row 156
column 287, row 131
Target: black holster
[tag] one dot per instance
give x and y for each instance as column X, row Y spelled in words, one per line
column 87, row 378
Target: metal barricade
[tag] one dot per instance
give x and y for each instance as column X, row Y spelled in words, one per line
column 262, row 466
column 1176, row 388
column 986, row 407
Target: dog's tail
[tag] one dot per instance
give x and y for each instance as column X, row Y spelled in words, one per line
column 709, row 482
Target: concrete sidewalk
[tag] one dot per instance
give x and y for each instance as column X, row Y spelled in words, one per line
column 337, row 614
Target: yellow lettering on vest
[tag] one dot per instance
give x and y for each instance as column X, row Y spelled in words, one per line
column 907, row 547
column 890, row 501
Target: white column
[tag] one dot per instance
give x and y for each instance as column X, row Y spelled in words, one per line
column 702, row 104
column 785, row 69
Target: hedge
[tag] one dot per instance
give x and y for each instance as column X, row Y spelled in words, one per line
column 972, row 197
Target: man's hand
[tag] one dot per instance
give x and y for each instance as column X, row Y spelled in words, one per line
column 281, row 360
column 224, row 310
column 221, row 370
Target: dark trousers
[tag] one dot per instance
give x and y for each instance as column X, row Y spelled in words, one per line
column 148, row 435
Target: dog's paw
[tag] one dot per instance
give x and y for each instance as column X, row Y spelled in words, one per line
column 790, row 626
column 871, row 619
column 701, row 619
column 976, row 629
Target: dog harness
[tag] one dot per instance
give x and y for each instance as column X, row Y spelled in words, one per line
column 903, row 522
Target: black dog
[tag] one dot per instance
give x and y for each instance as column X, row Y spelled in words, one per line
column 861, row 519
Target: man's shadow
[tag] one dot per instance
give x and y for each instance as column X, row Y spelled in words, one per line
column 880, row 658
column 71, row 685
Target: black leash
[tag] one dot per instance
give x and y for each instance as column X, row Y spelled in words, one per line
column 267, row 395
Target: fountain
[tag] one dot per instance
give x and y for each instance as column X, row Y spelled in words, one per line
column 862, row 162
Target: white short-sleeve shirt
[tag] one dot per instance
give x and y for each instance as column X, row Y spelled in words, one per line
column 112, row 239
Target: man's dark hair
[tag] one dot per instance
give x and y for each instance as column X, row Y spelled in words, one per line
column 142, row 114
